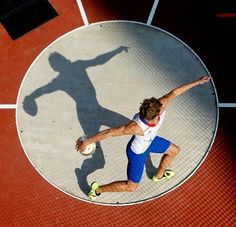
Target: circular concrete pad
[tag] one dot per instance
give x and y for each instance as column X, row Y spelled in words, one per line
column 88, row 80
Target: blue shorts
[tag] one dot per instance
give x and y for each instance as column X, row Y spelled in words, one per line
column 136, row 161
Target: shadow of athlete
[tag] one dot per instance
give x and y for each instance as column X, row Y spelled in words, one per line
column 74, row 81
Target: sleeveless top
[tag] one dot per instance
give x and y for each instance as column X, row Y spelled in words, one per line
column 141, row 143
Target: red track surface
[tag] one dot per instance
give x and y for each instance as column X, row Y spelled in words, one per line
column 26, row 199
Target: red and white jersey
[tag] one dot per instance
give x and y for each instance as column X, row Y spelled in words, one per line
column 141, row 143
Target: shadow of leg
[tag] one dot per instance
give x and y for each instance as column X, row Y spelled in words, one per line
column 89, row 165
column 150, row 168
column 82, row 180
column 91, row 124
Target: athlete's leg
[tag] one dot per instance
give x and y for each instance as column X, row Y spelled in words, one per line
column 134, row 173
column 166, row 159
column 118, row 186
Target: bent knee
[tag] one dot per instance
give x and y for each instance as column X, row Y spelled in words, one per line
column 131, row 186
column 176, row 150
column 173, row 150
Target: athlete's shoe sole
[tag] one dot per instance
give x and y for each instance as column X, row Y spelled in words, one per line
column 168, row 174
column 92, row 192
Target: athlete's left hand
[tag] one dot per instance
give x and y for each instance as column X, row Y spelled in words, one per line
column 203, row 79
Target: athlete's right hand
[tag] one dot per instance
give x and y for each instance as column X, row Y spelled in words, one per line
column 80, row 145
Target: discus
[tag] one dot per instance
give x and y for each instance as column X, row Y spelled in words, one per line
column 90, row 149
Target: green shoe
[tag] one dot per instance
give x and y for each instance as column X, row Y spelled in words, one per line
column 92, row 192
column 168, row 174
column 155, row 179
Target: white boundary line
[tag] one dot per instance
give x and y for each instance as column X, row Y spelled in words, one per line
column 227, row 105
column 7, row 106
column 82, row 12
column 152, row 13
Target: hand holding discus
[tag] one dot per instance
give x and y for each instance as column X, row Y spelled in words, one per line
column 85, row 149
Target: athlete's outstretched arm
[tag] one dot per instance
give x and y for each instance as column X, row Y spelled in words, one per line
column 181, row 89
column 131, row 128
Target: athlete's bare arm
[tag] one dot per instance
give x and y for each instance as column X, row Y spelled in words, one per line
column 180, row 90
column 132, row 128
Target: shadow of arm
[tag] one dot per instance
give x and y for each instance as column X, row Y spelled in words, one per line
column 29, row 104
column 103, row 58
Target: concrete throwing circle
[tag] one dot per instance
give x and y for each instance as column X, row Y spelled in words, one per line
column 86, row 81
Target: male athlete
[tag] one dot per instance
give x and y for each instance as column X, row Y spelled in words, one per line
column 144, row 128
